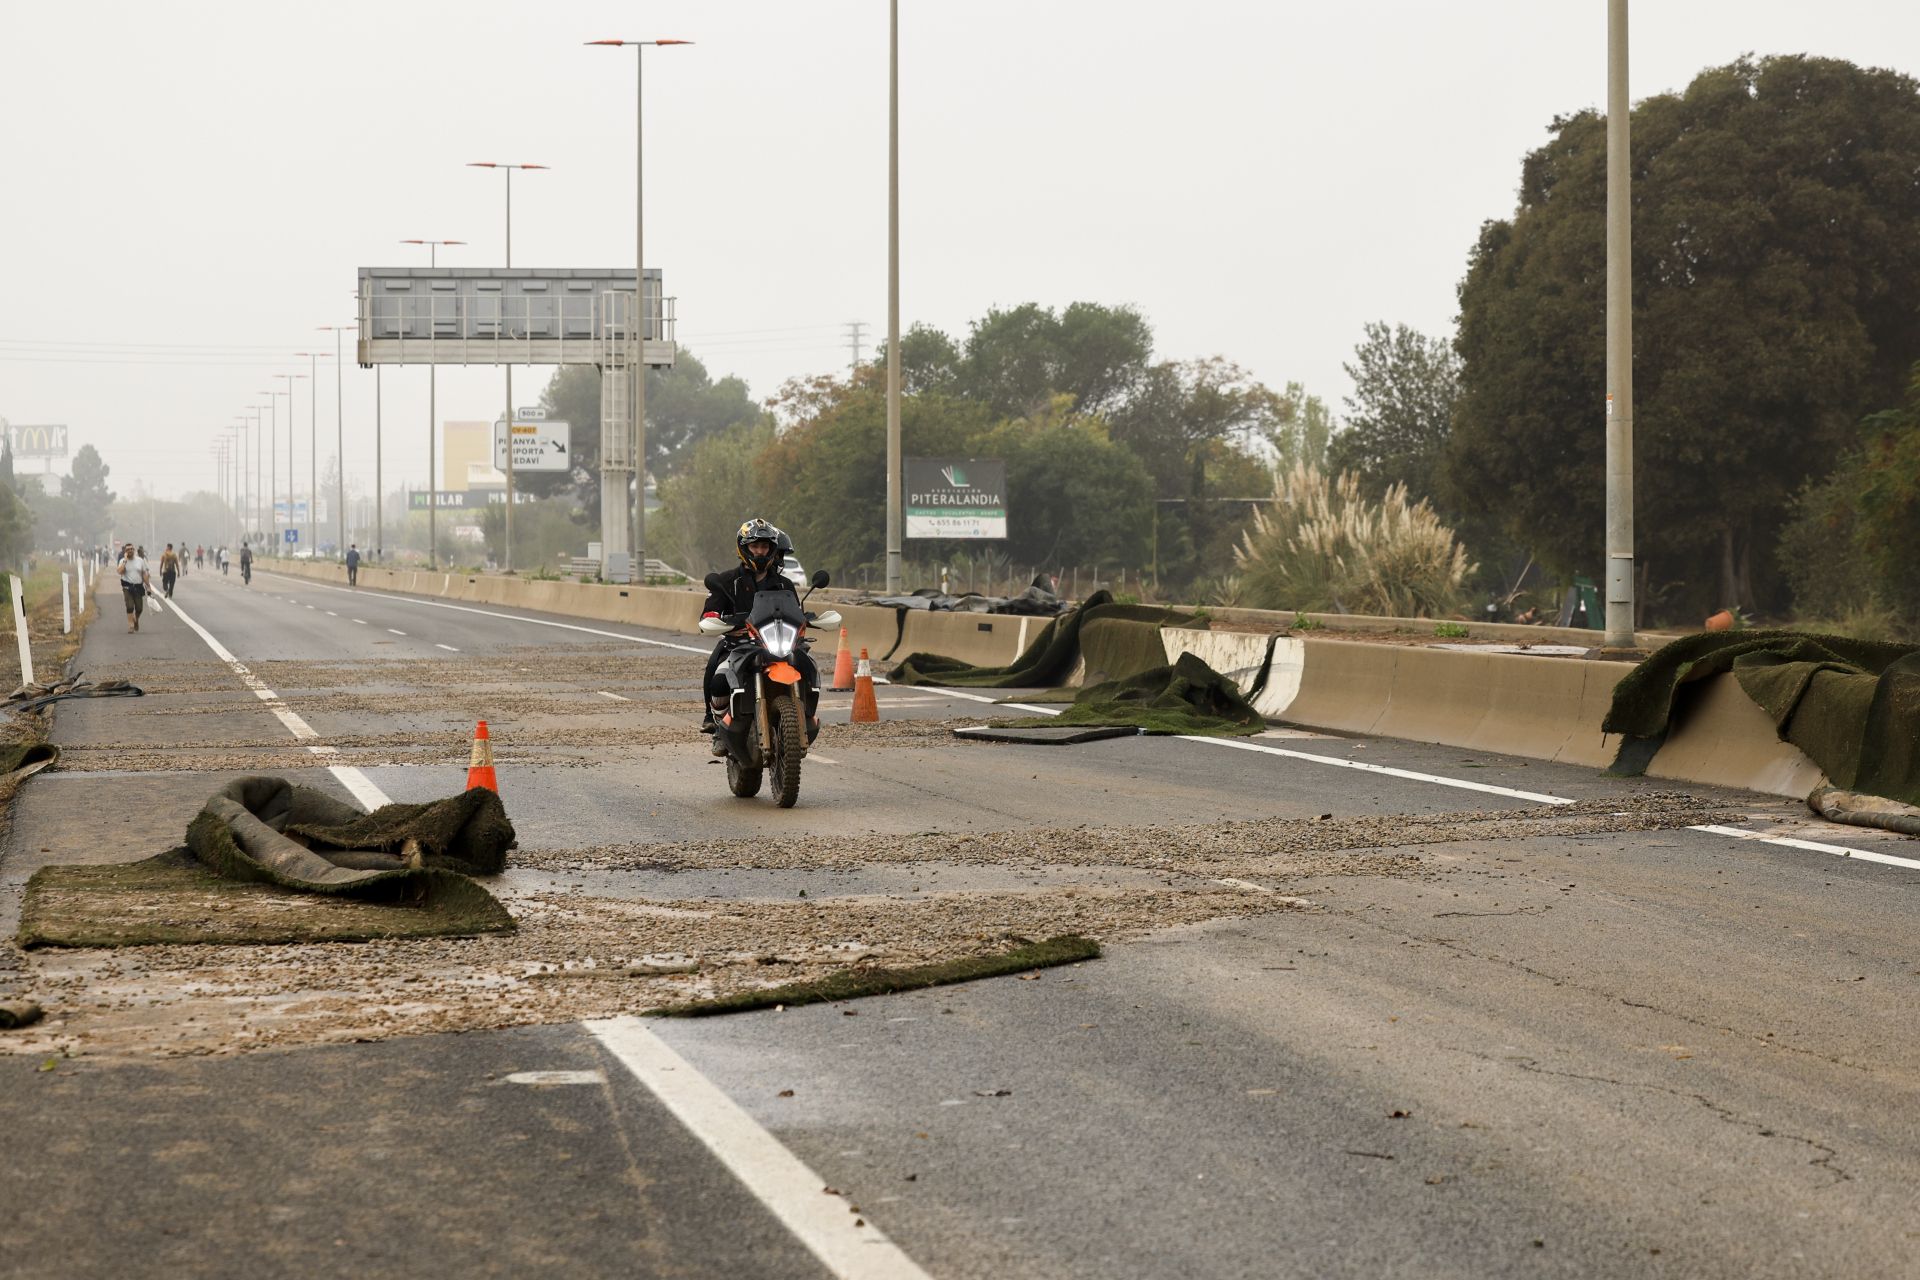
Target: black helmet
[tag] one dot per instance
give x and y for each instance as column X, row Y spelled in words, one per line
column 758, row 530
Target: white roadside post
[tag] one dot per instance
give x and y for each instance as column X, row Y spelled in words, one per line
column 20, row 630
column 66, row 605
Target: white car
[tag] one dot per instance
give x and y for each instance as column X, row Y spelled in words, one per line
column 790, row 569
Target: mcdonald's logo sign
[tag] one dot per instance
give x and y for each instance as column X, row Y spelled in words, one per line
column 39, row 441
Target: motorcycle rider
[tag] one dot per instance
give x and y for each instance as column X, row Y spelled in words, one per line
column 761, row 547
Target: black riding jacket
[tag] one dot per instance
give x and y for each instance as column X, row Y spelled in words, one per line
column 737, row 589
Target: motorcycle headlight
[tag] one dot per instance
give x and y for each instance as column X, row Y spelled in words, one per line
column 779, row 637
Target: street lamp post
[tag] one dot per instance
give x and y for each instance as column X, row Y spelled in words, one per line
column 339, row 436
column 433, row 409
column 643, row 316
column 895, row 520
column 291, row 378
column 1619, row 427
column 508, row 169
column 258, row 423
column 313, row 449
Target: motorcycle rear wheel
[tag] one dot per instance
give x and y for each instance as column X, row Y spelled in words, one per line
column 789, row 747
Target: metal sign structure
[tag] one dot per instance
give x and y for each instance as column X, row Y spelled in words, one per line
column 463, row 499
column 525, row 315
column 31, row 441
column 544, row 445
column 952, row 498
column 505, row 315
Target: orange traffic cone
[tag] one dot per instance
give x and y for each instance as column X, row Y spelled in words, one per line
column 480, row 763
column 865, row 709
column 842, row 666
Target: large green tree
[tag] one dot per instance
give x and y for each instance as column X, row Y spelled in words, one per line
column 1073, row 495
column 85, row 486
column 824, row 478
column 685, row 404
column 1776, row 257
column 1014, row 362
column 1405, row 388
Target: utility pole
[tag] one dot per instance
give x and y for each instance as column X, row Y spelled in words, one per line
column 1619, row 425
column 856, row 330
column 895, row 521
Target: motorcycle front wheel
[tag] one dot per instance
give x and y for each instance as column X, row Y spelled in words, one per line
column 789, row 746
column 743, row 781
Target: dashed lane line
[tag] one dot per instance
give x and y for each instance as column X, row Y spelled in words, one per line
column 616, row 697
column 436, row 644
column 356, row 782
column 393, row 632
column 846, row 1244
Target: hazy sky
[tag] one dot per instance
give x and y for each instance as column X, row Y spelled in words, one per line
column 188, row 189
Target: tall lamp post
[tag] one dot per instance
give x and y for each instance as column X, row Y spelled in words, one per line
column 895, row 521
column 339, row 435
column 291, row 378
column 643, row 314
column 242, row 422
column 1619, row 584
column 508, row 170
column 433, row 412
column 258, row 423
column 313, row 448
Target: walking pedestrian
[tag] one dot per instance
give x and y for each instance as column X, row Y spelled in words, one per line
column 246, row 565
column 133, row 584
column 353, row 564
column 169, row 570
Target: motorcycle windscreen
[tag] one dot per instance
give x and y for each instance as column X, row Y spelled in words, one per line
column 784, row 672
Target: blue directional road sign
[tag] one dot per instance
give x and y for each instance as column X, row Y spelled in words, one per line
column 292, row 535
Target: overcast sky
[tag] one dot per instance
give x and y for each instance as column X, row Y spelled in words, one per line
column 187, row 190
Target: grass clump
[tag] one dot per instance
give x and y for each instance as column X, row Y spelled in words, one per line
column 1451, row 630
column 1325, row 547
column 873, row 981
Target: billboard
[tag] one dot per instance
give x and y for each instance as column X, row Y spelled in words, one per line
column 539, row 443
column 38, row 441
column 956, row 498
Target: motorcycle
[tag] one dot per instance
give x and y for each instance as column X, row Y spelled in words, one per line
column 771, row 714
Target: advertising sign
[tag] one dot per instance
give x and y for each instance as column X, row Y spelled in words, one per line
column 38, row 441
column 539, row 444
column 956, row 498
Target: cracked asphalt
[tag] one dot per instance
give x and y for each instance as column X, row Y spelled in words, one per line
column 1347, row 1023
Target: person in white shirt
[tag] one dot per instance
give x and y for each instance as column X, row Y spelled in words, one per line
column 133, row 584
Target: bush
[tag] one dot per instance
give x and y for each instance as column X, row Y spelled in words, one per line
column 1451, row 631
column 1321, row 546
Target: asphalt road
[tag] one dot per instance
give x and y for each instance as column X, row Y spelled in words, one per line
column 1539, row 1052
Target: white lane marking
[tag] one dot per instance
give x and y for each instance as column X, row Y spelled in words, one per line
column 1812, row 846
column 820, row 758
column 1241, row 744
column 361, row 621
column 309, row 606
column 538, row 622
column 557, row 1077
column 332, row 614
column 357, row 783
column 616, row 697
column 1277, row 896
column 392, row 632
column 436, row 644
column 775, row 1176
column 1017, row 706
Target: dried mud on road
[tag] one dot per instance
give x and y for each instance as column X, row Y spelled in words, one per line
column 597, row 948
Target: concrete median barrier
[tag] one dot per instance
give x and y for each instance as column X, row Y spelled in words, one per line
column 1722, row 737
column 1512, row 704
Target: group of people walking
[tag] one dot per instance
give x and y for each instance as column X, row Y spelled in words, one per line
column 136, row 575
